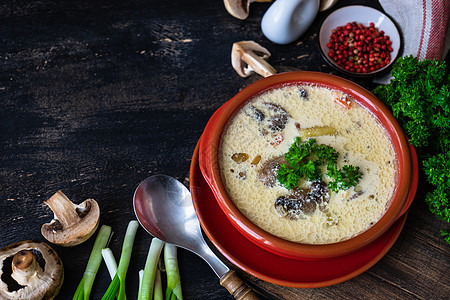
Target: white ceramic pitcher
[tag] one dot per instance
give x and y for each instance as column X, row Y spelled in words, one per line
column 286, row 20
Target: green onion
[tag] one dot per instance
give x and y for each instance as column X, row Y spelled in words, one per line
column 79, row 292
column 141, row 274
column 110, row 262
column 118, row 283
column 151, row 264
column 85, row 286
column 173, row 290
column 112, row 289
column 157, row 291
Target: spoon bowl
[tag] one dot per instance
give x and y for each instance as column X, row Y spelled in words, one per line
column 164, row 207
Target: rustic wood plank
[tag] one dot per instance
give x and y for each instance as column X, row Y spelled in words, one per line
column 97, row 96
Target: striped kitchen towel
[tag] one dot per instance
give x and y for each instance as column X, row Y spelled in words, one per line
column 423, row 23
column 424, row 26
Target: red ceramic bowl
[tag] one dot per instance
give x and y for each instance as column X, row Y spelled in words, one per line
column 209, row 165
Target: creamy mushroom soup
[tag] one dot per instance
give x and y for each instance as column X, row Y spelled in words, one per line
column 252, row 150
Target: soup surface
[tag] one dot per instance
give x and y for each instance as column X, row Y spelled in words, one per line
column 253, row 147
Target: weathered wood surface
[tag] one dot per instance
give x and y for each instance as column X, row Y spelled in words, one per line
column 98, row 95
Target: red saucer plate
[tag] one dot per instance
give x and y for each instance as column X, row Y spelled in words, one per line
column 273, row 268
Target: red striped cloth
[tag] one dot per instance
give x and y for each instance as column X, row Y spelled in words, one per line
column 424, row 25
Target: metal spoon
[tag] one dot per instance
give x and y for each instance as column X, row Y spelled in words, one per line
column 164, row 207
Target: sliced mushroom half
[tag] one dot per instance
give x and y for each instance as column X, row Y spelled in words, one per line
column 248, row 57
column 240, row 8
column 30, row 270
column 72, row 224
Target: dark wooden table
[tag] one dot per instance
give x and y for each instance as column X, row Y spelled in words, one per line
column 98, row 95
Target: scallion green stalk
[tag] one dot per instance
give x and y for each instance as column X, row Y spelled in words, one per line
column 110, row 262
column 151, row 264
column 111, row 292
column 118, row 283
column 173, row 290
column 84, row 288
column 79, row 292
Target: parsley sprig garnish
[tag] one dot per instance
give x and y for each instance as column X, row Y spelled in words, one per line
column 419, row 96
column 306, row 161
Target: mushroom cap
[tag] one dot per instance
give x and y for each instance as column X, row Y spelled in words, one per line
column 43, row 283
column 248, row 57
column 72, row 224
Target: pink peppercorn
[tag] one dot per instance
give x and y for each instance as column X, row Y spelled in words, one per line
column 358, row 48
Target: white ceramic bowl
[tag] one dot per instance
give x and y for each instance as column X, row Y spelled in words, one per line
column 364, row 15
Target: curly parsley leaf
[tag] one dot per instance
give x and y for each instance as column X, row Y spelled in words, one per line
column 438, row 203
column 343, row 179
column 446, row 235
column 288, row 177
column 306, row 160
column 326, row 153
column 437, row 169
column 419, row 97
column 298, row 152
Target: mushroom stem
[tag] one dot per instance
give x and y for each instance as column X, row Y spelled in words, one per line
column 248, row 57
column 259, row 65
column 24, row 267
column 63, row 209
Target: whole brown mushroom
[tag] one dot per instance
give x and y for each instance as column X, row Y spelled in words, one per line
column 30, row 270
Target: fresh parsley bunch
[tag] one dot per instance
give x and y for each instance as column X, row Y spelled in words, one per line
column 306, row 160
column 419, row 96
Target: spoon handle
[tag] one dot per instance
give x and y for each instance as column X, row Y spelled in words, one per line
column 237, row 287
